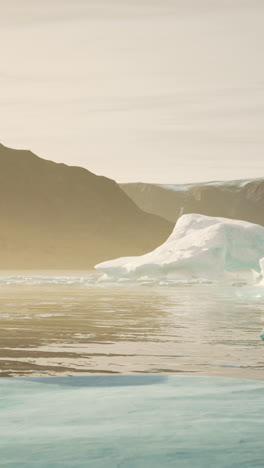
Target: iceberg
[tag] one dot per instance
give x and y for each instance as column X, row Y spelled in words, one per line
column 261, row 276
column 199, row 247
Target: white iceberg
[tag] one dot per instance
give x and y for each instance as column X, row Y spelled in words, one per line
column 261, row 276
column 199, row 247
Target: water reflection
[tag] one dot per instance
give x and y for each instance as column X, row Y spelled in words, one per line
column 53, row 328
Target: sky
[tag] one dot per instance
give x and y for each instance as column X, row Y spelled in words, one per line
column 163, row 91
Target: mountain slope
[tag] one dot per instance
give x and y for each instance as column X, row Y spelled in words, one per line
column 58, row 216
column 242, row 199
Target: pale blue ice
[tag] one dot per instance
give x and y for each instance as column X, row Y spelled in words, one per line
column 137, row 421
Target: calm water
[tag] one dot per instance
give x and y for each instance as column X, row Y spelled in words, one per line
column 61, row 323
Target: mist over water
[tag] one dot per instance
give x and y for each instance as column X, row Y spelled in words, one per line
column 71, row 323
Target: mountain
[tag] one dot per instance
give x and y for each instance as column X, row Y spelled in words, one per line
column 238, row 199
column 58, row 216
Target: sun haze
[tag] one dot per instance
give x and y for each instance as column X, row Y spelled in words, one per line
column 165, row 91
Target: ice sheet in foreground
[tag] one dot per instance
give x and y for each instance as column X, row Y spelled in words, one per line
column 199, row 247
column 131, row 421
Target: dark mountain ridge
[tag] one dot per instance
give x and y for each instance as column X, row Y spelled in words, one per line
column 58, row 216
column 239, row 199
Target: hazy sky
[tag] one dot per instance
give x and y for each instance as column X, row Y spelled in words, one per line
column 165, row 91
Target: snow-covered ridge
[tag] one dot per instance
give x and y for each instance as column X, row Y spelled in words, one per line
column 235, row 184
column 199, row 247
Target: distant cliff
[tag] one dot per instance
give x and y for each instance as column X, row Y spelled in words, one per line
column 58, row 216
column 241, row 199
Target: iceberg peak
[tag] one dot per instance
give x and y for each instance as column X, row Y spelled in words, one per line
column 199, row 247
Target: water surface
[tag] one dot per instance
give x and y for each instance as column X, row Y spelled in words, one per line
column 71, row 323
